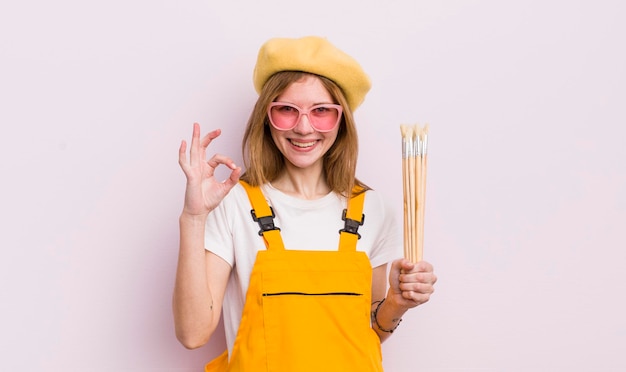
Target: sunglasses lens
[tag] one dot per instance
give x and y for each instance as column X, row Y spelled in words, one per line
column 324, row 118
column 284, row 117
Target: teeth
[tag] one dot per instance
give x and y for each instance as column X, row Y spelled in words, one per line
column 302, row 144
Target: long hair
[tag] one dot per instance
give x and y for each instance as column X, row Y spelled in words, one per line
column 264, row 162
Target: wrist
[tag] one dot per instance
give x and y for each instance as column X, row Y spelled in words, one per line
column 193, row 218
column 395, row 304
column 386, row 316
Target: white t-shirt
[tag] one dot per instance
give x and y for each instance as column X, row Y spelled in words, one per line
column 305, row 225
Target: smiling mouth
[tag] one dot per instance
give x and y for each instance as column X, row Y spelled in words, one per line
column 302, row 145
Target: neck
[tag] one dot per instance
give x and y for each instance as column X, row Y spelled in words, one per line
column 302, row 183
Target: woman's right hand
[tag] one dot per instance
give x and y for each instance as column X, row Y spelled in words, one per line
column 203, row 192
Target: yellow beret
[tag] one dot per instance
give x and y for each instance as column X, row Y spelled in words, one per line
column 314, row 55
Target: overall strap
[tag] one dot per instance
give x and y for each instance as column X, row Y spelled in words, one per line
column 264, row 215
column 353, row 217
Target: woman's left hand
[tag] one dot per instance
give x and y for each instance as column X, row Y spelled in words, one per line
column 411, row 284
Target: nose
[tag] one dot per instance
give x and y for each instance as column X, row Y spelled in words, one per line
column 303, row 126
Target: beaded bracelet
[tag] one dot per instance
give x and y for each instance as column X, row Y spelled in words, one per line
column 375, row 318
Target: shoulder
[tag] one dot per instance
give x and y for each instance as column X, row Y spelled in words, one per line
column 375, row 201
column 378, row 211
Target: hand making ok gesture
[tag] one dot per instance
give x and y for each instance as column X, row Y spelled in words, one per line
column 204, row 192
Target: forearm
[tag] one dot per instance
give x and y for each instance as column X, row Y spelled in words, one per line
column 192, row 301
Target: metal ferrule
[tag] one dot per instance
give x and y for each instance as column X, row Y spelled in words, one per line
column 417, row 145
column 407, row 148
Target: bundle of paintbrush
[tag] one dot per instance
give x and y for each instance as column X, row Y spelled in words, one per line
column 414, row 166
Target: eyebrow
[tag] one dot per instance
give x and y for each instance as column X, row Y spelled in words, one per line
column 313, row 105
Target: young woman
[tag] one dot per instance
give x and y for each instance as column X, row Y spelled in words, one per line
column 294, row 251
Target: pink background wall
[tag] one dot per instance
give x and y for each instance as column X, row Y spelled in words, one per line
column 526, row 190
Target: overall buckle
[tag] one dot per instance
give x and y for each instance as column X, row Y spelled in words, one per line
column 351, row 226
column 265, row 223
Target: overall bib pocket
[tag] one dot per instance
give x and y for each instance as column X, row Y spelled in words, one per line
column 307, row 311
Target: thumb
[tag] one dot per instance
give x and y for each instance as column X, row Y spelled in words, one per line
column 394, row 274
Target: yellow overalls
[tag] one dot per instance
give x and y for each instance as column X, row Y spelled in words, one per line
column 305, row 310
